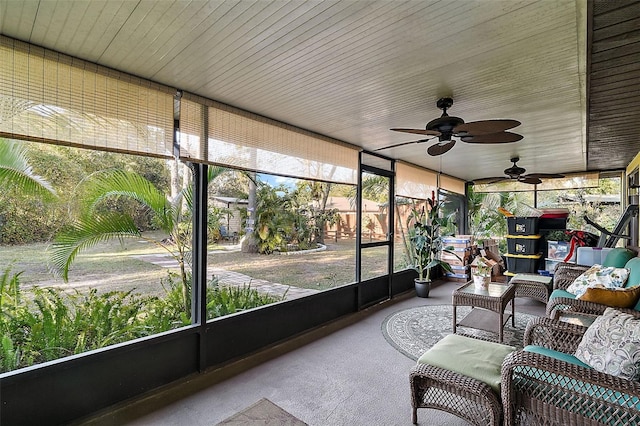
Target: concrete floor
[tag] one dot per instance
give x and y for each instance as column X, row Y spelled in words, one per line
column 350, row 376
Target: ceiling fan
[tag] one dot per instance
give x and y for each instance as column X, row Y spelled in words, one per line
column 516, row 172
column 445, row 127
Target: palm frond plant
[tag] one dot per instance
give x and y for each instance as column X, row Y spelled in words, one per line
column 96, row 224
column 16, row 171
column 426, row 241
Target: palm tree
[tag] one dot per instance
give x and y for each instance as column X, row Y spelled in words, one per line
column 16, row 171
column 95, row 226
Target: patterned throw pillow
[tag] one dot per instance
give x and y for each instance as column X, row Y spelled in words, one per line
column 612, row 345
column 598, row 275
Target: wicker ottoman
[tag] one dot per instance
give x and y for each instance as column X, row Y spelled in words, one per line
column 460, row 375
column 531, row 285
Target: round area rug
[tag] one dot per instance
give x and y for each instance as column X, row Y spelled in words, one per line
column 414, row 330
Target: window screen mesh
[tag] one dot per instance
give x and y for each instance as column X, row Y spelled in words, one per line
column 49, row 97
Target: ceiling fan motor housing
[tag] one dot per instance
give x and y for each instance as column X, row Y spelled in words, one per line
column 444, row 124
column 514, row 171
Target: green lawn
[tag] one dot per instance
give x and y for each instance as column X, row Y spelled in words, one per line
column 111, row 265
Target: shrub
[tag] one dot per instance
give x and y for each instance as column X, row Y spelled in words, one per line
column 53, row 323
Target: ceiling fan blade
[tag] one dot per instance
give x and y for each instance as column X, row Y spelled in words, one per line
column 418, row 131
column 439, row 149
column 545, row 175
column 529, row 179
column 485, row 127
column 500, row 137
column 401, row 144
column 489, row 181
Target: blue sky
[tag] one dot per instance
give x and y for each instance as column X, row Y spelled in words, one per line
column 275, row 181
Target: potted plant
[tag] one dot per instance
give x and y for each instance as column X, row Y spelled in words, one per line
column 482, row 272
column 426, row 234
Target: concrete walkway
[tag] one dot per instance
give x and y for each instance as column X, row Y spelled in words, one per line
column 229, row 278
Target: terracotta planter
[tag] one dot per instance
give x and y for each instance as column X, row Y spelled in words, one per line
column 422, row 287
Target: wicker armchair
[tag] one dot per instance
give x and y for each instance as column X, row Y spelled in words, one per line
column 541, row 390
column 566, row 273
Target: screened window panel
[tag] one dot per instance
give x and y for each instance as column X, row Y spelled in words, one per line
column 414, row 182
column 247, row 141
column 452, row 184
column 49, row 97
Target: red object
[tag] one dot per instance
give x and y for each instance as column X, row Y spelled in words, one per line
column 578, row 239
column 555, row 215
column 561, row 213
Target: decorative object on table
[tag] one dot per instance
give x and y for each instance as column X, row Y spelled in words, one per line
column 414, row 330
column 481, row 271
column 426, row 233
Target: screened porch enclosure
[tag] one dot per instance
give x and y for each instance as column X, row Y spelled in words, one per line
column 52, row 99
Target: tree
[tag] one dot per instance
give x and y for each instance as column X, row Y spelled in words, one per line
column 95, row 224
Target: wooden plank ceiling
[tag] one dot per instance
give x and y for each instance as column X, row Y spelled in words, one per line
column 614, row 92
column 352, row 70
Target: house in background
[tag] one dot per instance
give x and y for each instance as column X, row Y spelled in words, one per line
column 234, row 208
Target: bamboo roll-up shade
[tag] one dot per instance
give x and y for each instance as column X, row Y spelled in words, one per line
column 50, row 97
column 570, row 181
column 451, row 184
column 192, row 126
column 248, row 141
column 414, row 182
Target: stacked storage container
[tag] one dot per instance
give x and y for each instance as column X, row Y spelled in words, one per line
column 552, row 220
column 523, row 245
column 462, row 246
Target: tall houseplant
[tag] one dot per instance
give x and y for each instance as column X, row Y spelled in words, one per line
column 426, row 234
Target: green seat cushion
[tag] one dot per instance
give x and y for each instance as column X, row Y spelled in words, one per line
column 561, row 293
column 547, row 281
column 470, row 357
column 618, row 257
column 555, row 354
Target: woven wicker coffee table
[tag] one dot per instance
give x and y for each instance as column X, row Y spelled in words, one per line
column 484, row 301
